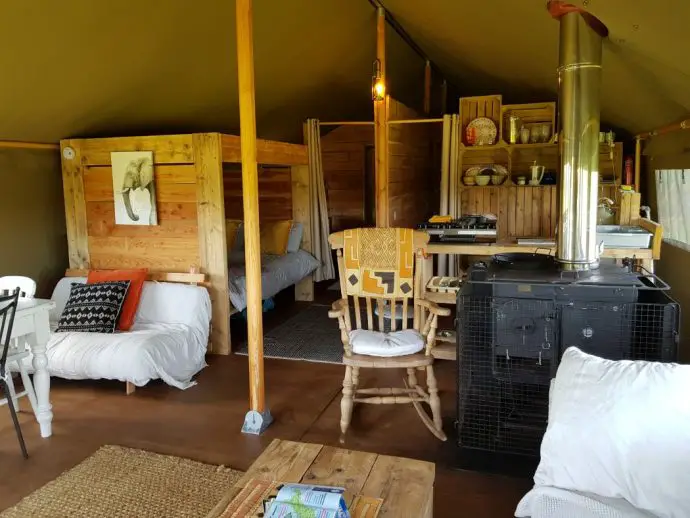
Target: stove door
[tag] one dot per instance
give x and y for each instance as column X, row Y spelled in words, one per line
column 525, row 340
column 604, row 329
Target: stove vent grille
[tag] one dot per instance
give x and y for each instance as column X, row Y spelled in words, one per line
column 509, row 350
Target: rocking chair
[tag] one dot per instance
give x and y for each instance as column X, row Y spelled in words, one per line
column 382, row 266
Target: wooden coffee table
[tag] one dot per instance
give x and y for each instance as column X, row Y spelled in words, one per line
column 405, row 485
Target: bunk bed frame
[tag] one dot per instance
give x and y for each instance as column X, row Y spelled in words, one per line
column 188, row 173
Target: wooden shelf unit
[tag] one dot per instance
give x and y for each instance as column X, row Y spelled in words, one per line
column 523, row 211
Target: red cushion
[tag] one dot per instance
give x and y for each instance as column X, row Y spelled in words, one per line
column 136, row 278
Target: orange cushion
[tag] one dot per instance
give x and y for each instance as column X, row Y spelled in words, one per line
column 129, row 307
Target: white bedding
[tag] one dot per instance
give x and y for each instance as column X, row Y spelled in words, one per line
column 167, row 341
column 277, row 273
column 551, row 502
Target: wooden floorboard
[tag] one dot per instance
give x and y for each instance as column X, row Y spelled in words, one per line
column 203, row 423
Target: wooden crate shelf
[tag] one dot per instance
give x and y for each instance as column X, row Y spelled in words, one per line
column 530, row 114
column 522, row 211
column 481, row 106
column 441, row 297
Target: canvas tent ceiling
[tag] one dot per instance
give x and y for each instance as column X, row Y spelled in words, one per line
column 85, row 68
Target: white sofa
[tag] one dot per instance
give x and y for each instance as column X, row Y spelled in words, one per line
column 617, row 443
column 168, row 340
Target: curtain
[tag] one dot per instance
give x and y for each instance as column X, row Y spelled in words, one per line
column 673, row 202
column 320, row 228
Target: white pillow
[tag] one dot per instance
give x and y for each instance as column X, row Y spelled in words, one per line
column 295, row 238
column 620, row 429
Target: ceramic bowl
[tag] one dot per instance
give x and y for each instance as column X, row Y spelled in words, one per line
column 497, row 179
column 469, row 180
column 482, row 180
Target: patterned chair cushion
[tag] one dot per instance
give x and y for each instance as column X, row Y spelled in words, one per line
column 379, row 262
column 396, row 343
column 93, row 308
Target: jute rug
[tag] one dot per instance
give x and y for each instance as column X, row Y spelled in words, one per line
column 117, row 482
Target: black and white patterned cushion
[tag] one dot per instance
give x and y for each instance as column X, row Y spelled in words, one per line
column 93, row 308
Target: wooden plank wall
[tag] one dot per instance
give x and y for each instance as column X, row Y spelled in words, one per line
column 170, row 246
column 275, row 192
column 412, row 178
column 522, row 211
column 343, row 154
column 187, row 170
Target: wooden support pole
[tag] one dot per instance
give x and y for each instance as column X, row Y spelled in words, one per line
column 638, row 162
column 427, row 87
column 445, row 171
column 257, row 418
column 380, row 127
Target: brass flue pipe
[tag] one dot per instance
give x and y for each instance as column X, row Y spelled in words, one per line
column 579, row 80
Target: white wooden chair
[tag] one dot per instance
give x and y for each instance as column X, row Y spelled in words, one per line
column 18, row 350
column 378, row 265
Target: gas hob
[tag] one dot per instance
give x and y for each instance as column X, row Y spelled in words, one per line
column 466, row 229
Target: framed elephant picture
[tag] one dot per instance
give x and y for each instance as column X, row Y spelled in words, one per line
column 134, row 190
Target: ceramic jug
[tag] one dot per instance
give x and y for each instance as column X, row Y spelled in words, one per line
column 537, row 173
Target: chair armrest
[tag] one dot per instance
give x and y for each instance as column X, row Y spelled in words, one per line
column 433, row 308
column 338, row 308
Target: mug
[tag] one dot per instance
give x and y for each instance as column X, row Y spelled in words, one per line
column 522, row 180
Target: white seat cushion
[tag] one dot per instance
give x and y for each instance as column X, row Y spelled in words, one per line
column 375, row 343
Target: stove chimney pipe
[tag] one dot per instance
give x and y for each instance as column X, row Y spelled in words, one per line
column 579, row 79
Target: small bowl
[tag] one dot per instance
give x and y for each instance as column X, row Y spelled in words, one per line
column 470, row 180
column 497, row 179
column 482, row 180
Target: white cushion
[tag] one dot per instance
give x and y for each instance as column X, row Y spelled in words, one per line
column 174, row 303
column 397, row 343
column 620, row 429
column 295, row 238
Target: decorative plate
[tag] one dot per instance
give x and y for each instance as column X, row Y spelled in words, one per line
column 481, row 132
column 474, row 170
column 500, row 169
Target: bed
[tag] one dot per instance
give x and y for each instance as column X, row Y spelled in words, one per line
column 168, row 340
column 277, row 273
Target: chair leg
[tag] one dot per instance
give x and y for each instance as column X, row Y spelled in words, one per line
column 411, row 377
column 434, row 400
column 17, row 428
column 12, row 392
column 347, row 402
column 28, row 386
column 355, row 379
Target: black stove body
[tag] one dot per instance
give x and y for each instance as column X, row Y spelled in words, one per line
column 516, row 315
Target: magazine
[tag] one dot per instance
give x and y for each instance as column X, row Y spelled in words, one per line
column 307, row 501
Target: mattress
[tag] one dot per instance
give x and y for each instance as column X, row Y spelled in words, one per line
column 277, row 273
column 148, row 351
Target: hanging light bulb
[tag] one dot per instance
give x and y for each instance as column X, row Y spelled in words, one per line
column 378, row 87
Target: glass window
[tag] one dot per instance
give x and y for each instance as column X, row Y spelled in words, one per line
column 673, row 202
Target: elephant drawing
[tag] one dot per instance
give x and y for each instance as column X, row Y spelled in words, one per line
column 138, row 176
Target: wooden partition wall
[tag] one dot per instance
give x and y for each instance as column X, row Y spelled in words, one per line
column 190, row 192
column 413, row 166
column 347, row 154
column 275, row 192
